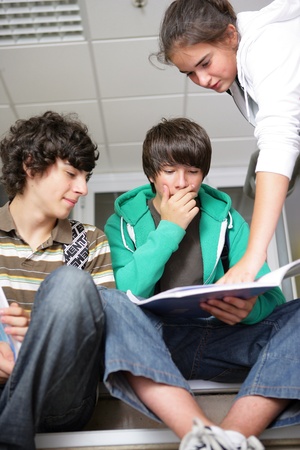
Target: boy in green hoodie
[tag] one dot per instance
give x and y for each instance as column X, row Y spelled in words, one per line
column 171, row 233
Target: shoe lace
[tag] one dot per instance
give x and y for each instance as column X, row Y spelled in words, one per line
column 203, row 438
column 254, row 444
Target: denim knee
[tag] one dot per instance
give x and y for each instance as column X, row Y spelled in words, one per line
column 69, row 291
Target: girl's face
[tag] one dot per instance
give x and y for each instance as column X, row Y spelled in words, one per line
column 209, row 66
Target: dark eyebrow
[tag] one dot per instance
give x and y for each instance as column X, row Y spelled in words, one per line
column 196, row 65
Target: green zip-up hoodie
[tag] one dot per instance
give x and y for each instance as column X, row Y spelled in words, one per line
column 140, row 251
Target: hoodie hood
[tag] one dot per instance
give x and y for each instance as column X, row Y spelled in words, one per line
column 133, row 205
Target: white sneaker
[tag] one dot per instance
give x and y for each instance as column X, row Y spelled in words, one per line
column 204, row 438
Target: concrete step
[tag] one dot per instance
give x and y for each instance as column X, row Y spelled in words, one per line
column 115, row 425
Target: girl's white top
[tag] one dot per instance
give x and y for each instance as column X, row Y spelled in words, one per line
column 268, row 61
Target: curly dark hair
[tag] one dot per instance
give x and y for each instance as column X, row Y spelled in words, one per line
column 37, row 142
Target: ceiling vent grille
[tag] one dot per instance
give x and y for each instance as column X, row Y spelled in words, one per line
column 40, row 21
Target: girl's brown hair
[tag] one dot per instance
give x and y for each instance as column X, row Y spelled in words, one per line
column 190, row 22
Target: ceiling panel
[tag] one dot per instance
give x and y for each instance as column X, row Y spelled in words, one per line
column 123, row 70
column 44, row 73
column 218, row 114
column 7, row 118
column 232, row 153
column 3, row 95
column 103, row 164
column 116, row 19
column 126, row 157
column 135, row 116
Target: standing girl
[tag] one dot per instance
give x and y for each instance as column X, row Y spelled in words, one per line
column 254, row 56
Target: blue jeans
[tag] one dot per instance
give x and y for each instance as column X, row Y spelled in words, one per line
column 264, row 356
column 53, row 384
column 54, row 381
column 133, row 343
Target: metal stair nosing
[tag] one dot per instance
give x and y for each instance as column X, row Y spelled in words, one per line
column 144, row 434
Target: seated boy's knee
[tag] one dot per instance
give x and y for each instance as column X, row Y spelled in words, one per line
column 69, row 275
column 69, row 286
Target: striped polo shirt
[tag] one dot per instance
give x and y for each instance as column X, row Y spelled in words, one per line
column 22, row 270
